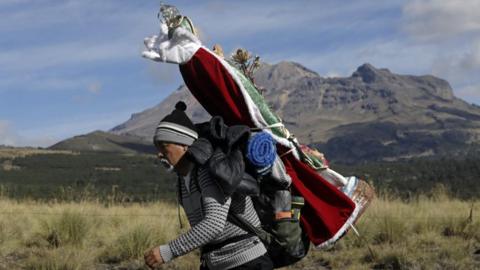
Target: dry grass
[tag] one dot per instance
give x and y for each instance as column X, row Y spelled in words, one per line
column 83, row 235
column 435, row 233
column 10, row 152
column 427, row 233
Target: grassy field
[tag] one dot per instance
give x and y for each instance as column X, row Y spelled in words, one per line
column 425, row 233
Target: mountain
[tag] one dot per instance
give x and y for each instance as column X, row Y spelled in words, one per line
column 143, row 124
column 373, row 114
column 106, row 142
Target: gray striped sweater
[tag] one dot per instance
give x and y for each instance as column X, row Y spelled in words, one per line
column 207, row 210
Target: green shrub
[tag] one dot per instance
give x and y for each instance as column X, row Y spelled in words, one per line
column 390, row 230
column 132, row 244
column 70, row 228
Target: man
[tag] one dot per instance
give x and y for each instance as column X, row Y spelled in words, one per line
column 223, row 244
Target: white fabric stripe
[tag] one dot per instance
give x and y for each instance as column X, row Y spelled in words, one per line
column 276, row 125
column 179, row 128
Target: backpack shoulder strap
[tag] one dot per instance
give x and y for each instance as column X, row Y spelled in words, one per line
column 236, row 219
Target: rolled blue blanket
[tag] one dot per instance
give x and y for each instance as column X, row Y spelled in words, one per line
column 261, row 151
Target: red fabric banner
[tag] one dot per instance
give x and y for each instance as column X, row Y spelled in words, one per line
column 326, row 208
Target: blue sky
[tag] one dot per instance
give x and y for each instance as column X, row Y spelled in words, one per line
column 71, row 67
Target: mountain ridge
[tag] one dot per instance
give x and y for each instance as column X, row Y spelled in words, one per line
column 342, row 115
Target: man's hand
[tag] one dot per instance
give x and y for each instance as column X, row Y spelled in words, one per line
column 153, row 258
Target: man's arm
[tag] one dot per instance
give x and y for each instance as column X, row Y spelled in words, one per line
column 216, row 210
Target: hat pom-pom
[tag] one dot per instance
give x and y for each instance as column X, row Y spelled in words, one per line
column 181, row 106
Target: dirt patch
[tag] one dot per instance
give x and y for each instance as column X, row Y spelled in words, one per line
column 8, row 165
column 12, row 152
column 11, row 261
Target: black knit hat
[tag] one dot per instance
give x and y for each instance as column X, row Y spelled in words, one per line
column 176, row 127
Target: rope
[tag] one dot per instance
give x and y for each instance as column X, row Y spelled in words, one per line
column 374, row 256
column 288, row 152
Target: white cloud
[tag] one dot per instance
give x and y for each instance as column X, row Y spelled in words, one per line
column 67, row 35
column 239, row 20
column 29, row 59
column 396, row 55
column 45, row 62
column 431, row 20
column 460, row 65
column 470, row 92
column 333, row 74
column 449, row 31
column 471, row 60
column 35, row 15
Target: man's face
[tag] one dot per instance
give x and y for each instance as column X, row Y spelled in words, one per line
column 171, row 152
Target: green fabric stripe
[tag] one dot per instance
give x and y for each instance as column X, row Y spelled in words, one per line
column 270, row 117
column 259, row 101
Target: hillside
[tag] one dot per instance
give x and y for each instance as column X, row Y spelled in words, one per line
column 100, row 141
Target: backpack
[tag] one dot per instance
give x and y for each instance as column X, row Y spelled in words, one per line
column 225, row 151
